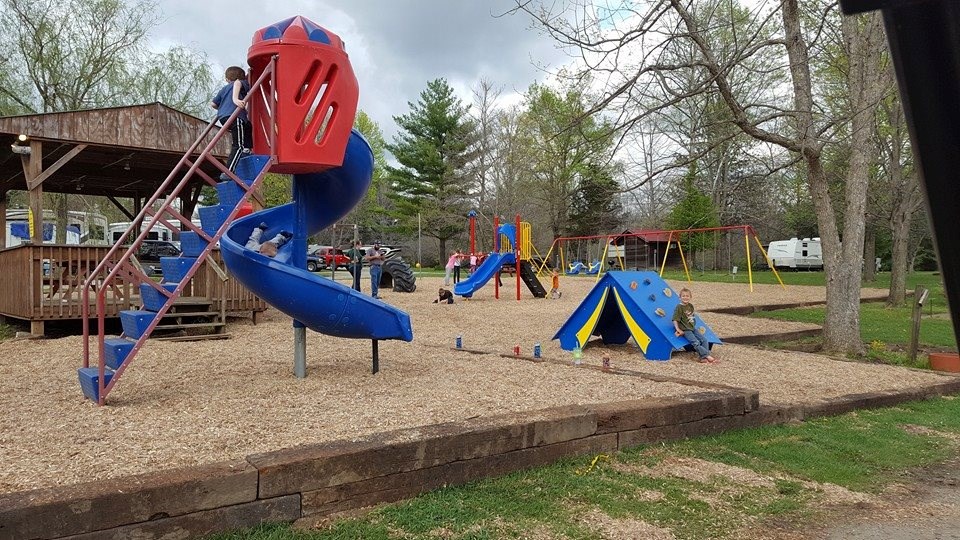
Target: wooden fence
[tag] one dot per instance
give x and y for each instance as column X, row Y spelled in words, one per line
column 44, row 282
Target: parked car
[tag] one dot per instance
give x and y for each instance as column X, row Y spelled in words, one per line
column 150, row 252
column 314, row 263
column 326, row 256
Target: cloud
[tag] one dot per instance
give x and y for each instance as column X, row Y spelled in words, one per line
column 395, row 47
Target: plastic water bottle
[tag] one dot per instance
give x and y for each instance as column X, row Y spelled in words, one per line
column 459, row 342
column 536, row 350
column 577, row 355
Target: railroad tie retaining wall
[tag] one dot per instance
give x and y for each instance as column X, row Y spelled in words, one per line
column 329, row 478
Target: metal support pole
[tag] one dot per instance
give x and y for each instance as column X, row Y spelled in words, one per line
column 376, row 357
column 299, row 350
column 517, row 253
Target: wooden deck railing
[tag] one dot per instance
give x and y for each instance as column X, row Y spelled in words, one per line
column 43, row 282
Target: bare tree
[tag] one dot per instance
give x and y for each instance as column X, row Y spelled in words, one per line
column 789, row 116
column 902, row 188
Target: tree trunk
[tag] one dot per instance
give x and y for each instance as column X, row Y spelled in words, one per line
column 842, row 325
column 900, row 231
column 60, row 210
column 443, row 251
column 870, row 255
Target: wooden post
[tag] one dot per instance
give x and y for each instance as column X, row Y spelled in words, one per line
column 919, row 296
column 3, row 220
column 32, row 166
column 137, row 208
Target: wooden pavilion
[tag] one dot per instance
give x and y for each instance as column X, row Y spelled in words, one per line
column 118, row 152
column 644, row 249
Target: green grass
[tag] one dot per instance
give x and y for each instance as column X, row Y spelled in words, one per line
column 879, row 323
column 7, row 332
column 863, row 451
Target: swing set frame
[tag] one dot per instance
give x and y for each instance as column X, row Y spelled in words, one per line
column 673, row 236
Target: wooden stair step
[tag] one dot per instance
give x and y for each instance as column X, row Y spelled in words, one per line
column 198, row 337
column 189, row 325
column 191, row 314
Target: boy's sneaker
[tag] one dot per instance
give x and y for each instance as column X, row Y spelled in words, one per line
column 224, row 177
column 262, row 226
column 559, row 295
column 286, row 234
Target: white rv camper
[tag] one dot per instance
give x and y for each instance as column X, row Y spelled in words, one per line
column 82, row 227
column 796, row 253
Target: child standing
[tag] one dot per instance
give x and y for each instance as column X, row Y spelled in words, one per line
column 684, row 325
column 449, row 269
column 227, row 100
column 473, row 263
column 555, row 291
column 458, row 260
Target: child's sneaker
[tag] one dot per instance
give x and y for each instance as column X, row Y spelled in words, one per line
column 262, row 226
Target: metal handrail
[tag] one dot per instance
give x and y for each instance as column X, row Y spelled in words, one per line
column 156, row 216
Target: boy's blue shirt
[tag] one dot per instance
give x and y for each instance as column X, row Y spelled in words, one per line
column 224, row 100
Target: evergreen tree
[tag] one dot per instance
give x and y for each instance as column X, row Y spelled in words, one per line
column 596, row 207
column 694, row 210
column 434, row 147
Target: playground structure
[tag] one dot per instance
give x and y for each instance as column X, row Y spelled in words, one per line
column 673, row 240
column 512, row 247
column 302, row 104
column 624, row 305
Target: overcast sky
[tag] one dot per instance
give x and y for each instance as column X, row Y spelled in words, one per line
column 395, row 46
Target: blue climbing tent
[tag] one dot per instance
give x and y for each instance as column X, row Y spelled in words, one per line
column 630, row 304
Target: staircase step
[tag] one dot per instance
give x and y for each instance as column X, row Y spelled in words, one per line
column 90, row 382
column 229, row 193
column 191, row 244
column 154, row 300
column 135, row 322
column 212, row 217
column 116, row 350
column 248, row 168
column 175, row 268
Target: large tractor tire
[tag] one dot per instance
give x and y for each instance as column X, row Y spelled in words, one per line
column 403, row 278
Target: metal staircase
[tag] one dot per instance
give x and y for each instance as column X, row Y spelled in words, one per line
column 114, row 355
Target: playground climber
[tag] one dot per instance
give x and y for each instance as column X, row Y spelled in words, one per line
column 270, row 247
column 227, row 100
column 555, row 291
column 375, row 260
column 444, row 297
column 684, row 325
column 356, row 264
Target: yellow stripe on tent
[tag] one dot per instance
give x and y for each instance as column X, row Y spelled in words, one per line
column 587, row 329
column 642, row 339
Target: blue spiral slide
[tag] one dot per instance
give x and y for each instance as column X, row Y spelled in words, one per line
column 320, row 304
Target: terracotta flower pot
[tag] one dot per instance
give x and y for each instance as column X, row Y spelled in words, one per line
column 945, row 362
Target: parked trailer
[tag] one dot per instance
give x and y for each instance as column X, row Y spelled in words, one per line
column 795, row 253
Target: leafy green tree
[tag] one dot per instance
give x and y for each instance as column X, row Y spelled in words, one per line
column 569, row 149
column 372, row 214
column 694, row 210
column 433, row 149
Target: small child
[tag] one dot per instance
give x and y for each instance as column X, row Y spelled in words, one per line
column 228, row 99
column 444, row 297
column 684, row 325
column 555, row 291
column 254, row 241
column 270, row 247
